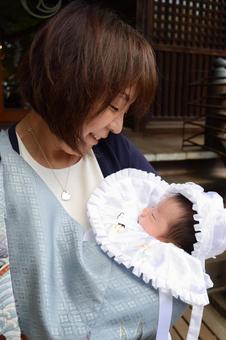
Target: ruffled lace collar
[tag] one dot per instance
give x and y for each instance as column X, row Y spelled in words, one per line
column 113, row 209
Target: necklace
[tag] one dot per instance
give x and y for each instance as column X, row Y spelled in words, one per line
column 65, row 195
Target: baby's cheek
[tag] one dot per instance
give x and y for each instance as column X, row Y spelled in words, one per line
column 145, row 223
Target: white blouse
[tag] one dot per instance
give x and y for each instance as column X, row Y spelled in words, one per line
column 83, row 178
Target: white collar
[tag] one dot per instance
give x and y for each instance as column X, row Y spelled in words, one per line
column 166, row 267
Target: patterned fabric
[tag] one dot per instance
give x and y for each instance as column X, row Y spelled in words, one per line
column 65, row 288
column 8, row 317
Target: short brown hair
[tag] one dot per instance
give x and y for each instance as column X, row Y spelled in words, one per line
column 182, row 233
column 85, row 55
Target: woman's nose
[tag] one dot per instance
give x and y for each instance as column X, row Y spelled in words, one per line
column 116, row 124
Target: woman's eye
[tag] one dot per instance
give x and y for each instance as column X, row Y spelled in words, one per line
column 114, row 108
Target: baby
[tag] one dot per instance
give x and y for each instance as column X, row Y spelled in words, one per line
column 163, row 233
column 171, row 220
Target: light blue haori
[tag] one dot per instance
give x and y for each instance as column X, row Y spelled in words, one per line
column 66, row 288
column 8, row 317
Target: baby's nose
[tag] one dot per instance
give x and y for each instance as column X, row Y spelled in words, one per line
column 144, row 212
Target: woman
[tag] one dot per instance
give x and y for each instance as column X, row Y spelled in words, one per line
column 85, row 69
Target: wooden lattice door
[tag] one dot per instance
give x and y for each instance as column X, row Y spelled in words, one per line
column 186, row 35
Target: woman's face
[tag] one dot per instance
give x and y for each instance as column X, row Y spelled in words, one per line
column 109, row 120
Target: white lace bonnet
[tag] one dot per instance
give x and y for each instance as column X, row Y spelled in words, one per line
column 210, row 218
column 113, row 209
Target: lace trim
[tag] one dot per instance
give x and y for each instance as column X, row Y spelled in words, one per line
column 148, row 258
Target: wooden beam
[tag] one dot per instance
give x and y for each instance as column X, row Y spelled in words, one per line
column 189, row 50
column 12, row 115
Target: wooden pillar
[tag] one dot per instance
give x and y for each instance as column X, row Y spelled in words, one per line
column 144, row 17
column 144, row 24
column 216, row 108
column 1, row 83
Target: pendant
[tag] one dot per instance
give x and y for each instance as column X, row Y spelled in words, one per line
column 65, row 196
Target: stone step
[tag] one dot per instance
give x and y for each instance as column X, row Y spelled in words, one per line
column 210, row 173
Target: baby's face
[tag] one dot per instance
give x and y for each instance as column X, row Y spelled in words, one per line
column 157, row 221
